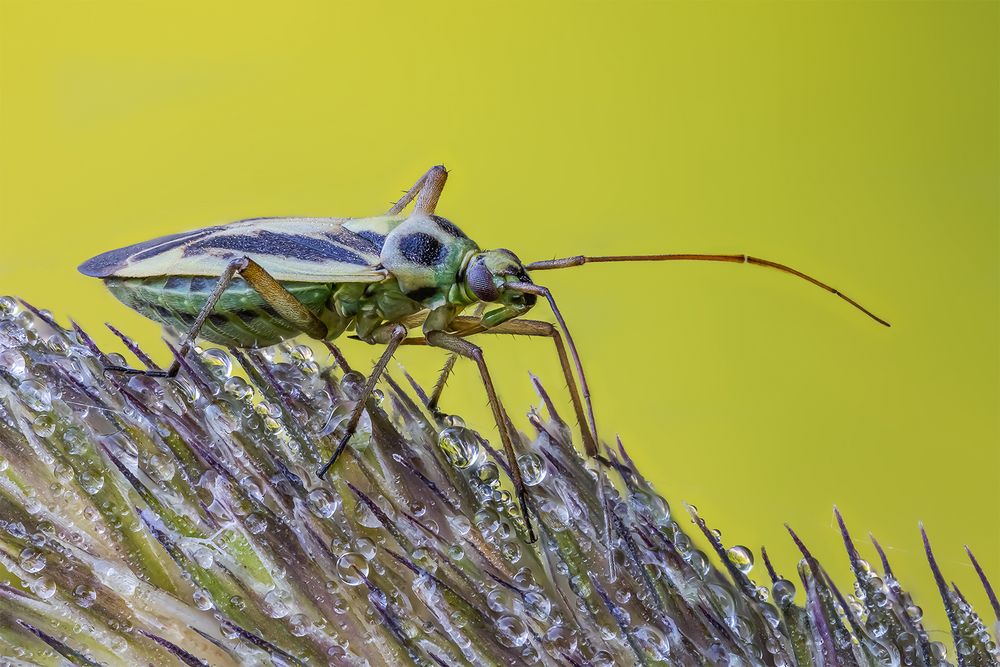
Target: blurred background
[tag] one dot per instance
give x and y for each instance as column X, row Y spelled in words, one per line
column 857, row 142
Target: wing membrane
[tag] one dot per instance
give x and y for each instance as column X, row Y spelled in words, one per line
column 298, row 249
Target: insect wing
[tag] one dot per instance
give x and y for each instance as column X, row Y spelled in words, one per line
column 293, row 249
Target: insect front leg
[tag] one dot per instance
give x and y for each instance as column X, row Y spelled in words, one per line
column 472, row 351
column 273, row 292
column 538, row 328
column 427, row 191
column 390, row 335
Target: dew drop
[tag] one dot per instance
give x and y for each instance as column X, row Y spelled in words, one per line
column 44, row 425
column 276, row 603
column 13, row 362
column 44, row 587
column 533, row 468
column 784, row 591
column 256, row 524
column 203, row 599
column 352, row 568
column 460, row 446
column 35, row 395
column 91, row 482
column 84, row 596
column 161, row 467
column 32, row 560
column 322, row 503
column 353, row 385
column 218, row 362
column 238, row 388
column 741, row 557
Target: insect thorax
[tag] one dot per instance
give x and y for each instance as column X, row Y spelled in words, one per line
column 425, row 255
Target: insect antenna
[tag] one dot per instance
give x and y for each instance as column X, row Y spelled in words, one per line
column 578, row 260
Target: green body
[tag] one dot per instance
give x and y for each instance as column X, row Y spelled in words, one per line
column 355, row 274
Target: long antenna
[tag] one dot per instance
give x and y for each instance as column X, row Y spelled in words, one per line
column 579, row 260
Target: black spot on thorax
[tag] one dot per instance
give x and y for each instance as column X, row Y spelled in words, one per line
column 421, row 248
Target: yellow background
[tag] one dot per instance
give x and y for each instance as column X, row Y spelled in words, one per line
column 855, row 141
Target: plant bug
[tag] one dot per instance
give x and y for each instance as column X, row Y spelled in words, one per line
column 254, row 283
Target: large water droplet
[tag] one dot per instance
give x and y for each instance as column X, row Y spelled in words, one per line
column 322, row 503
column 161, row 467
column 44, row 587
column 741, row 557
column 533, row 468
column 276, row 603
column 460, row 446
column 35, row 395
column 783, row 591
column 32, row 560
column 352, row 568
column 44, row 425
column 84, row 595
column 218, row 362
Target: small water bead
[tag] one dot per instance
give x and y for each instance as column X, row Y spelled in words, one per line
column 460, row 446
column 84, row 596
column 700, row 563
column 276, row 603
column 353, row 385
column 299, row 625
column 783, row 591
column 44, row 425
column 537, row 605
column 13, row 361
column 488, row 473
column 35, row 395
column 161, row 467
column 44, row 587
column 301, row 353
column 453, row 421
column 32, row 560
column 204, row 557
column 352, row 568
column 203, row 599
column 424, row 559
column 741, row 558
column 456, row 553
column 914, row 612
column 533, row 468
column 366, row 548
column 322, row 503
column 513, row 631
column 217, row 362
column 8, row 307
column 91, row 482
column 238, row 388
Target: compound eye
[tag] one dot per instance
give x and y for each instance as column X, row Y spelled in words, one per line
column 480, row 281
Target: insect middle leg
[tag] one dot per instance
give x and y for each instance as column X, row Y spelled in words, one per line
column 390, row 335
column 466, row 326
column 462, row 347
column 273, row 292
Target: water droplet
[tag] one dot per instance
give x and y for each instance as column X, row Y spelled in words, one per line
column 460, row 446
column 237, row 388
column 741, row 557
column 489, row 474
column 13, row 361
column 276, row 603
column 352, row 568
column 302, row 353
column 203, row 599
column 35, row 395
column 322, row 503
column 454, row 421
column 784, row 591
column 44, row 425
column 533, row 468
column 365, row 547
column 353, row 385
column 84, row 596
column 32, row 560
column 204, row 557
column 8, row 307
column 299, row 625
column 513, row 631
column 91, row 482
column 424, row 559
column 44, row 587
column 217, row 362
column 161, row 467
column 914, row 612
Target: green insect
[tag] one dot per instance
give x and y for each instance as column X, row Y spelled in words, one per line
column 255, row 283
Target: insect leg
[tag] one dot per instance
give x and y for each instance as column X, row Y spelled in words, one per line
column 472, row 351
column 467, row 326
column 390, row 335
column 426, row 191
column 279, row 298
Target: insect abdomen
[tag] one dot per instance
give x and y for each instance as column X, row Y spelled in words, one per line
column 240, row 319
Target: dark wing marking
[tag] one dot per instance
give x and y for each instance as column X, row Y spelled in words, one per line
column 315, row 250
column 107, row 263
